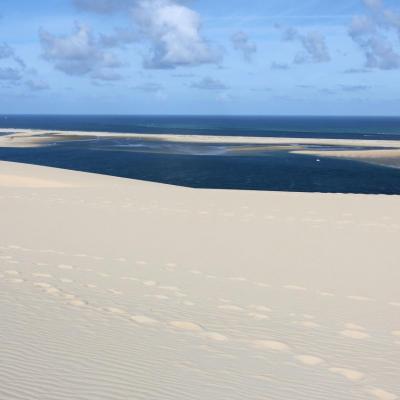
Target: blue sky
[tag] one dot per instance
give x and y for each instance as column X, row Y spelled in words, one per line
column 200, row 57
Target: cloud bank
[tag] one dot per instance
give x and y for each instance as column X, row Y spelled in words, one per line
column 314, row 45
column 79, row 53
column 377, row 33
column 171, row 29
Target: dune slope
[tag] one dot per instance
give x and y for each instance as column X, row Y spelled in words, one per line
column 119, row 289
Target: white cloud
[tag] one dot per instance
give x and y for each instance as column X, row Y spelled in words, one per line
column 149, row 87
column 119, row 38
column 241, row 42
column 354, row 88
column 79, row 53
column 174, row 33
column 208, row 83
column 314, row 45
column 10, row 74
column 8, row 53
column 279, row 66
column 373, row 33
column 170, row 27
column 37, row 85
column 14, row 71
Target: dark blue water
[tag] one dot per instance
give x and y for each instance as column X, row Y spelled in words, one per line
column 321, row 127
column 214, row 166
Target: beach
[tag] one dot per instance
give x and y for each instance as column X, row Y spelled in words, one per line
column 114, row 288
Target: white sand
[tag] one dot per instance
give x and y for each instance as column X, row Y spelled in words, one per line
column 33, row 138
column 8, row 180
column 120, row 289
column 355, row 154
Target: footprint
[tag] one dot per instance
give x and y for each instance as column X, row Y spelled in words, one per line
column 262, row 284
column 77, row 303
column 229, row 307
column 310, row 324
column 171, row 264
column 309, row 360
column 65, row 267
column 40, row 275
column 355, row 334
column 354, row 327
column 42, row 285
column 12, row 273
column 360, row 298
column 326, row 294
column 186, row 326
column 16, row 280
column 169, row 288
column 238, row 279
column 114, row 291
column 215, row 336
column 260, row 308
column 150, row 283
column 381, row 394
column 158, row 296
column 66, row 280
column 349, row 374
column 129, row 278
column 271, row 345
column 143, row 320
column 195, row 272
column 295, row 287
column 47, row 251
column 114, row 310
column 53, row 291
column 140, row 262
column 14, row 246
column 258, row 316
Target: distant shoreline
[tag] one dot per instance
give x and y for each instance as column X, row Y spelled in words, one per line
column 28, row 137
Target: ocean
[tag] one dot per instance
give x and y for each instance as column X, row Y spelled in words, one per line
column 214, row 165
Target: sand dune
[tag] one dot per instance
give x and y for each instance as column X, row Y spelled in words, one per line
column 119, row 289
